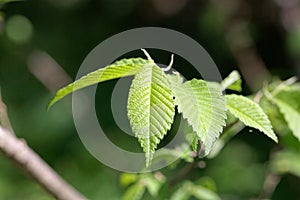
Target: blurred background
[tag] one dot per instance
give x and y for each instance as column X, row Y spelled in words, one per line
column 42, row 45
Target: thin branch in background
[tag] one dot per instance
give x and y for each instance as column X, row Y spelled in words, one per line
column 241, row 43
column 47, row 71
column 249, row 62
column 290, row 19
column 181, row 175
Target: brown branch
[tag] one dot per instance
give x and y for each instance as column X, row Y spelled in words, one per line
column 182, row 173
column 4, row 120
column 47, row 71
column 19, row 152
column 240, row 42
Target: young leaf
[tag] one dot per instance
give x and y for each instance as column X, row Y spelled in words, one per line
column 288, row 102
column 124, row 67
column 153, row 185
column 233, row 81
column 127, row 179
column 135, row 192
column 150, row 108
column 203, row 105
column 201, row 192
column 250, row 113
column 189, row 189
column 180, row 194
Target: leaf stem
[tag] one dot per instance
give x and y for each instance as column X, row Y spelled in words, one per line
column 170, row 64
column 283, row 84
column 147, row 55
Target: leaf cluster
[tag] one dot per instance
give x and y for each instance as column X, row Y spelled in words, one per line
column 154, row 97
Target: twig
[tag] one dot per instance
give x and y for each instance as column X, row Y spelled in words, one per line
column 4, row 120
column 258, row 96
column 182, row 173
column 284, row 84
column 270, row 185
column 19, row 152
column 47, row 71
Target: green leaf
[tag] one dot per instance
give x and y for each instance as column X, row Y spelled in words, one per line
column 250, row 113
column 288, row 102
column 201, row 192
column 135, row 192
column 191, row 136
column 180, row 194
column 124, row 67
column 152, row 184
column 233, row 81
column 203, row 105
column 189, row 189
column 150, row 108
column 127, row 179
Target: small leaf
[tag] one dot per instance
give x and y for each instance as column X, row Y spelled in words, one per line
column 127, row 179
column 233, row 81
column 288, row 102
column 250, row 113
column 180, row 194
column 150, row 108
column 189, row 189
column 152, row 184
column 201, row 192
column 124, row 67
column 135, row 192
column 203, row 105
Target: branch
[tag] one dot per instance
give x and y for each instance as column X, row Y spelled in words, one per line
column 182, row 173
column 4, row 120
column 270, row 184
column 19, row 152
column 241, row 43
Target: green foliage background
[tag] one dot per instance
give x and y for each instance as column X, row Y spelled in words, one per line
column 68, row 30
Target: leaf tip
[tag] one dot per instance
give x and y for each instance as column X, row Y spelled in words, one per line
column 52, row 102
column 274, row 137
